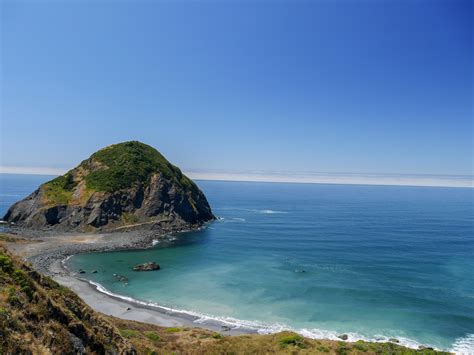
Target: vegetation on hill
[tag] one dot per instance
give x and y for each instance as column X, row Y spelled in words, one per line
column 118, row 166
column 122, row 165
column 59, row 190
column 39, row 316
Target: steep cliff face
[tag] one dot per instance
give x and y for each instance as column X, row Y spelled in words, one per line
column 124, row 185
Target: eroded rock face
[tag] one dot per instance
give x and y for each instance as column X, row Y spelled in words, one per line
column 156, row 200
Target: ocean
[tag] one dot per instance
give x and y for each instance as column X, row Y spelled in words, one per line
column 372, row 262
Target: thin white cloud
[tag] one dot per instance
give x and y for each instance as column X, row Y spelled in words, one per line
column 337, row 178
column 31, row 170
column 293, row 177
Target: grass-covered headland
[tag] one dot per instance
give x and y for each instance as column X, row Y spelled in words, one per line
column 116, row 167
column 124, row 164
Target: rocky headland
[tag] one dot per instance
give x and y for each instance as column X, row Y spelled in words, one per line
column 128, row 185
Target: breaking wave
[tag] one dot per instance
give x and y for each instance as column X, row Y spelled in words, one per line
column 462, row 346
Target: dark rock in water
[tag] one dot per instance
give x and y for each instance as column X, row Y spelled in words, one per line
column 343, row 336
column 394, row 340
column 121, row 278
column 82, row 271
column 94, row 271
column 123, row 186
column 147, row 266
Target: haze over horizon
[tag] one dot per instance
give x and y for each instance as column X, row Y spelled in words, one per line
column 360, row 88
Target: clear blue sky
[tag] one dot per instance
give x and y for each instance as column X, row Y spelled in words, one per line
column 335, row 86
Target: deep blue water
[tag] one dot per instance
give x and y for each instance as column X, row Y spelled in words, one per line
column 379, row 261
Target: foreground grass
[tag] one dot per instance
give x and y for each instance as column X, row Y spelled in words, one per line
column 151, row 339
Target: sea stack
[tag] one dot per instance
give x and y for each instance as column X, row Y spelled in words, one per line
column 125, row 185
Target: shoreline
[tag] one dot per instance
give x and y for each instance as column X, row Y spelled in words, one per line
column 185, row 318
column 121, row 306
column 49, row 253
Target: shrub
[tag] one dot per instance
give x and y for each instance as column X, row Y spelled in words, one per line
column 294, row 339
column 323, row 349
column 172, row 330
column 12, row 296
column 152, row 336
column 361, row 346
column 129, row 218
column 6, row 263
column 129, row 333
column 343, row 349
column 26, row 286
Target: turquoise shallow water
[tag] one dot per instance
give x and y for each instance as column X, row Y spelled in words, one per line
column 379, row 262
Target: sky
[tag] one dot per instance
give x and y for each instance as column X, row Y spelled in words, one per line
column 360, row 87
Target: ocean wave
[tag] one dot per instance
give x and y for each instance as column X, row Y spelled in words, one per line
column 462, row 346
column 270, row 211
column 236, row 219
column 263, row 211
column 231, row 219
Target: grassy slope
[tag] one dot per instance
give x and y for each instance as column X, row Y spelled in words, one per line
column 116, row 167
column 128, row 163
column 152, row 339
column 37, row 315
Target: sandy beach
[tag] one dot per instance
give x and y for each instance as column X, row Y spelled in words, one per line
column 47, row 253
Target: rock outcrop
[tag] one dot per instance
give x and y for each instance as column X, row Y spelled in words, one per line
column 126, row 185
column 150, row 266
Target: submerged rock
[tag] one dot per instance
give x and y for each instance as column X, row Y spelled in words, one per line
column 343, row 336
column 150, row 266
column 121, row 278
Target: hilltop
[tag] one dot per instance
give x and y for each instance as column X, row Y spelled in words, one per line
column 125, row 185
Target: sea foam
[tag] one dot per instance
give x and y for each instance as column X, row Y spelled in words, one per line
column 462, row 346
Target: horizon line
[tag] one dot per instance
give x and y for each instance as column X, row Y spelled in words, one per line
column 379, row 179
